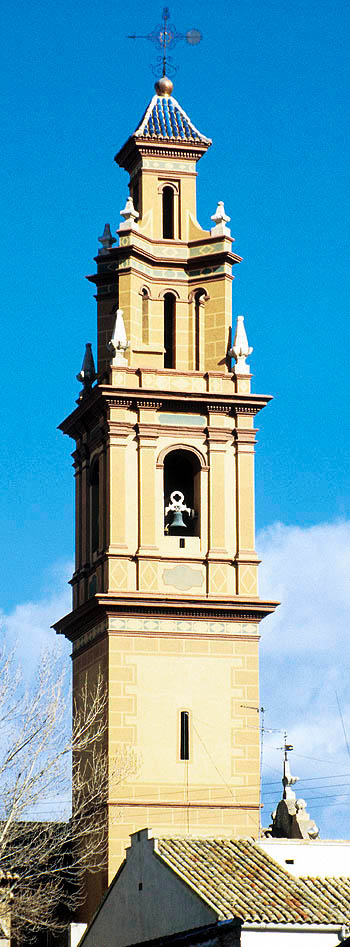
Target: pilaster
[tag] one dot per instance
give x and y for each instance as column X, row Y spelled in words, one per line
column 147, row 455
column 246, row 557
column 85, row 504
column 117, row 442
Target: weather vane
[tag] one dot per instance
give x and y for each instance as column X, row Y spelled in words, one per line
column 165, row 37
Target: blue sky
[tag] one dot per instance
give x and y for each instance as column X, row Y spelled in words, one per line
column 269, row 85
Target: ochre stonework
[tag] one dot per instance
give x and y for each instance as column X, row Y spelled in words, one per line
column 171, row 619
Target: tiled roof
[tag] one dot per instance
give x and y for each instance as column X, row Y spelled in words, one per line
column 240, row 879
column 333, row 892
column 164, row 119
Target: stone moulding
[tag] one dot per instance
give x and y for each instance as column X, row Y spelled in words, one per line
column 165, row 628
column 150, row 607
column 102, row 397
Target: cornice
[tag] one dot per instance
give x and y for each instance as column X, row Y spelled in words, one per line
column 133, row 253
column 102, row 398
column 151, row 247
column 246, row 408
column 135, row 146
column 152, row 403
column 216, row 407
column 146, row 605
column 115, row 401
column 212, row 259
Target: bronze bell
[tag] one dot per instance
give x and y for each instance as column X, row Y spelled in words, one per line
column 177, row 521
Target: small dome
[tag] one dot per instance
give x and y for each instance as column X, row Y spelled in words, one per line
column 164, row 86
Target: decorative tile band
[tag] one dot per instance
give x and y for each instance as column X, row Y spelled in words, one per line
column 174, row 165
column 166, row 274
column 177, row 626
column 208, row 270
column 207, row 248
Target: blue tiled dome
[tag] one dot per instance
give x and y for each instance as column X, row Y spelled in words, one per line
column 165, row 119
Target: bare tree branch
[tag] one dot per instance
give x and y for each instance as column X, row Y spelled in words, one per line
column 46, row 860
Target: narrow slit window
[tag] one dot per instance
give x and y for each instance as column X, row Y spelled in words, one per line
column 168, row 213
column 169, row 330
column 184, row 735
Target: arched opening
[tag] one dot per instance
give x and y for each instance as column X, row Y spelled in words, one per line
column 95, row 506
column 181, row 493
column 145, row 316
column 198, row 302
column 169, row 330
column 168, row 213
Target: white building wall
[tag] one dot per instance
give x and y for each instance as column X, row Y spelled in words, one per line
column 76, row 932
column 296, row 938
column 147, row 900
column 315, row 857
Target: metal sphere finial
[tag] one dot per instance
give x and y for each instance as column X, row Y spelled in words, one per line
column 164, row 86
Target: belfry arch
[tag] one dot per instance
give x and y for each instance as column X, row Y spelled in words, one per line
column 182, row 477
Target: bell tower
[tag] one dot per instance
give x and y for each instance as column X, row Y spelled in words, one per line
column 165, row 598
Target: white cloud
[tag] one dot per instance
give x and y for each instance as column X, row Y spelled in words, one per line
column 305, row 660
column 27, row 628
column 308, row 571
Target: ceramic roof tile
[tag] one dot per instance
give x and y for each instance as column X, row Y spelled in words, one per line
column 239, row 878
column 165, row 120
column 334, row 892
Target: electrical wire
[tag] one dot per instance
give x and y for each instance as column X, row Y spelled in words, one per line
column 343, row 725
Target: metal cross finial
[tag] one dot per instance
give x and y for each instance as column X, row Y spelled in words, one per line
column 165, row 37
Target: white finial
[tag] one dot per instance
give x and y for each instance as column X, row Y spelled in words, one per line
column 291, row 819
column 118, row 343
column 240, row 349
column 220, row 220
column 288, row 780
column 130, row 216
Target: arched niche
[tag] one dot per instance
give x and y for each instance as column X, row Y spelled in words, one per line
column 198, row 297
column 169, row 304
column 145, row 298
